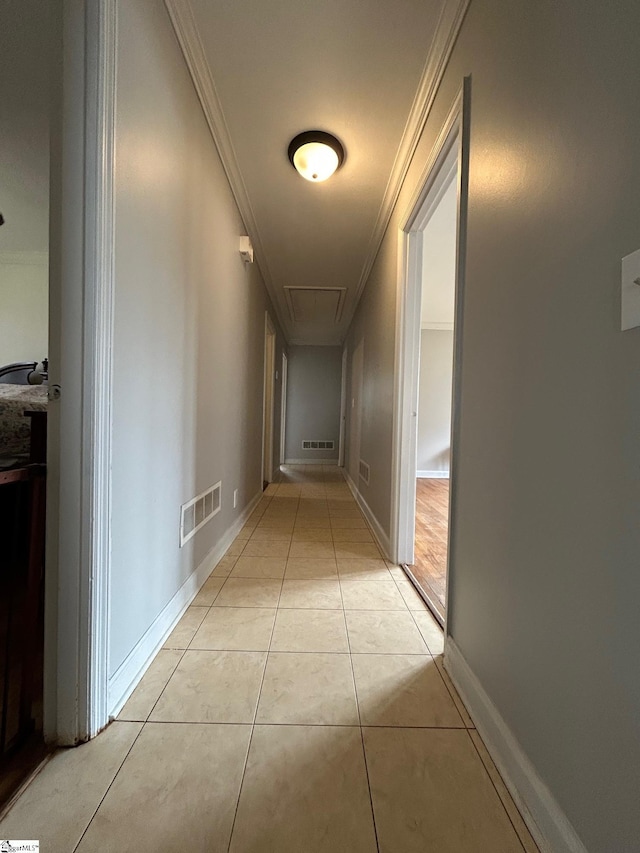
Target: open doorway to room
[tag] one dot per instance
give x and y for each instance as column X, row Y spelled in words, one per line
column 435, row 377
column 428, row 363
column 26, row 61
column 283, row 407
column 269, row 398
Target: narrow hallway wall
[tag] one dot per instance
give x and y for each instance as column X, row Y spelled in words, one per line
column 188, row 344
column 544, row 586
column 313, row 402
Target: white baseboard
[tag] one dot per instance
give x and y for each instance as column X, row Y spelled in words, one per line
column 311, row 461
column 376, row 528
column 125, row 679
column 548, row 824
column 433, row 475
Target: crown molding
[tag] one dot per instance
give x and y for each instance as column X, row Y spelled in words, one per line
column 184, row 25
column 449, row 23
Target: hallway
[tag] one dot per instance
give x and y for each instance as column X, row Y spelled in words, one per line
column 299, row 705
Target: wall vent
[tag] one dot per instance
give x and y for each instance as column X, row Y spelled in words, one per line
column 365, row 471
column 318, row 445
column 196, row 512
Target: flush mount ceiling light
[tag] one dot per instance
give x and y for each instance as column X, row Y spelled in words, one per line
column 315, row 155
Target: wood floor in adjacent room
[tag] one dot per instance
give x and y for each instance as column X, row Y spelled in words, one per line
column 432, row 514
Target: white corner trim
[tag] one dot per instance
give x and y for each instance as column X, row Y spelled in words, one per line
column 31, row 259
column 186, row 30
column 376, row 528
column 433, row 475
column 546, row 821
column 97, row 376
column 124, row 680
column 449, row 23
column 434, row 326
column 307, row 461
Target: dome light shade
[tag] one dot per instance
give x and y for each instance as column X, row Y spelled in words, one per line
column 316, row 155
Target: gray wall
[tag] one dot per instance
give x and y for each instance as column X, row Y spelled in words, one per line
column 25, row 102
column 544, row 587
column 434, row 400
column 313, row 401
column 189, row 330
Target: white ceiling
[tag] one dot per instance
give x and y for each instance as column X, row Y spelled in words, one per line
column 364, row 70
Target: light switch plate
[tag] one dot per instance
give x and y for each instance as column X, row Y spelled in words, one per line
column 631, row 291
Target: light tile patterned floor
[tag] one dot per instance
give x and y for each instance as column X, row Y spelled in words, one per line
column 300, row 705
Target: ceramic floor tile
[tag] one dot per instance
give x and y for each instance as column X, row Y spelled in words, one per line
column 259, row 567
column 454, row 693
column 371, row 595
column 245, row 532
column 186, row 628
column 430, row 791
column 413, row 600
column 363, row 570
column 514, row 815
column 271, row 534
column 356, row 551
column 402, row 690
column 212, row 687
column 144, row 697
column 348, row 522
column 315, row 521
column 305, row 789
column 312, row 534
column 223, row 567
column 177, row 791
column 314, row 550
column 236, row 629
column 350, row 535
column 208, row 592
column 273, row 522
column 309, row 631
column 236, row 548
column 383, row 632
column 431, row 631
column 249, row 592
column 311, row 568
column 59, row 803
column 308, row 689
column 314, row 594
column 279, row 548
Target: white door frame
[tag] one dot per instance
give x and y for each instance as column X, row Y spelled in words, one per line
column 78, row 554
column 268, row 399
column 453, row 140
column 283, row 407
column 343, row 408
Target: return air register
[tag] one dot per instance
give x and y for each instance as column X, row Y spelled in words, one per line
column 364, row 471
column 196, row 512
column 317, row 445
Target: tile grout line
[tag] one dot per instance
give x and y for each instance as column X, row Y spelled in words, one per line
column 355, row 692
column 502, row 803
column 255, row 715
column 115, row 776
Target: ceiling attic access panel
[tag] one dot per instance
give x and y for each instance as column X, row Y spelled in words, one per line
column 318, row 305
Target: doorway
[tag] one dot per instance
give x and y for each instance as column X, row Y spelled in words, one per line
column 283, row 407
column 343, row 409
column 428, row 363
column 357, row 365
column 268, row 397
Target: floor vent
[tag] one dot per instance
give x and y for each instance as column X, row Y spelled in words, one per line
column 365, row 471
column 317, row 445
column 196, row 512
